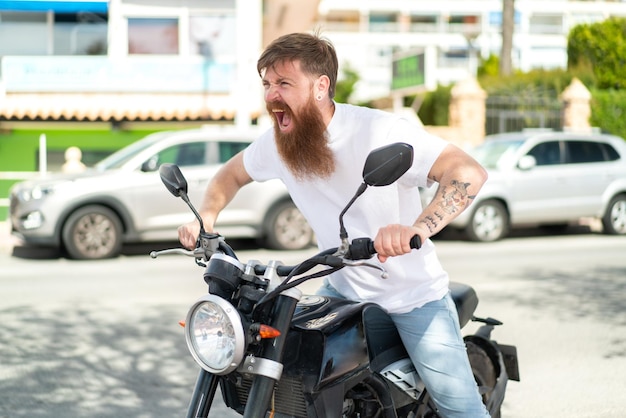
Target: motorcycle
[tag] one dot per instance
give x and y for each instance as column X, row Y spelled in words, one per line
column 275, row 352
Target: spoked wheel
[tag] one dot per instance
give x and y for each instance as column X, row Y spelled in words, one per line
column 92, row 232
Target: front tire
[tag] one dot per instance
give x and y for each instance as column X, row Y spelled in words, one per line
column 489, row 222
column 614, row 220
column 286, row 228
column 92, row 233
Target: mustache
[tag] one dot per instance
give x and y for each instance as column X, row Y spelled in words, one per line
column 276, row 105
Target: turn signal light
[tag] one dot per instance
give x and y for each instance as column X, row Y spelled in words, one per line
column 265, row 331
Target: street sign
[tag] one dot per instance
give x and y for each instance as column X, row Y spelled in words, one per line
column 408, row 71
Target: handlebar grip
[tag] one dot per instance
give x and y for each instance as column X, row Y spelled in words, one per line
column 416, row 242
column 363, row 248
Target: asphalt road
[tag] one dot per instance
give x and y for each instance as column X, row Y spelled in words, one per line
column 101, row 339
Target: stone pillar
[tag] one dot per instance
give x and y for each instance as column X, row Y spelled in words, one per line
column 73, row 163
column 467, row 112
column 576, row 106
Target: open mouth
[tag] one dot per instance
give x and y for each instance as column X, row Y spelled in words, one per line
column 283, row 118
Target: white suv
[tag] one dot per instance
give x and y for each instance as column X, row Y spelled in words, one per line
column 546, row 178
column 122, row 199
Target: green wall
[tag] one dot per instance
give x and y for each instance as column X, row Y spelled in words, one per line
column 19, row 149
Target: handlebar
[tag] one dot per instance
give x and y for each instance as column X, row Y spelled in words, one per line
column 359, row 249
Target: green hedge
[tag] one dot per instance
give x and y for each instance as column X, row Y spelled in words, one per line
column 435, row 105
column 608, row 106
column 608, row 111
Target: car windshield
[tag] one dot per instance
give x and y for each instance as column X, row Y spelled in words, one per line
column 119, row 158
column 492, row 153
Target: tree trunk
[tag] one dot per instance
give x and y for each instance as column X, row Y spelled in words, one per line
column 508, row 25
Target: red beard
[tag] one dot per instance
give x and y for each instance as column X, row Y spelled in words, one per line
column 305, row 149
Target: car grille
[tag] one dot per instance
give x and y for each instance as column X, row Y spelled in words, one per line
column 288, row 396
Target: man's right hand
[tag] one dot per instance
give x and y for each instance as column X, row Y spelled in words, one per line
column 188, row 234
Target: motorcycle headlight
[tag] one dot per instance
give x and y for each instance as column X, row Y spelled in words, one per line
column 215, row 335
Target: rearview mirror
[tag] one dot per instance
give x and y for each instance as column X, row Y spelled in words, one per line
column 387, row 164
column 173, row 179
column 382, row 167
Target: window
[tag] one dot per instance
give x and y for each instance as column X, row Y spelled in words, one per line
column 29, row 32
column 230, row 149
column 343, row 20
column 383, row 22
column 545, row 24
column 23, row 33
column 423, row 23
column 610, row 152
column 152, row 36
column 168, row 155
column 80, row 34
column 547, row 153
column 584, row 152
column 465, row 24
column 191, row 154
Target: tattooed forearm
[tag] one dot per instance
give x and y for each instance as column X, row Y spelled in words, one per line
column 455, row 197
column 430, row 223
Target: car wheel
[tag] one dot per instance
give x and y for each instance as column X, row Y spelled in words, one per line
column 92, row 232
column 489, row 222
column 286, row 228
column 614, row 220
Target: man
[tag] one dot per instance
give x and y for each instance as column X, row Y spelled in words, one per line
column 317, row 148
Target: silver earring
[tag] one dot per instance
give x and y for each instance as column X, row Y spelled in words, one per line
column 319, row 98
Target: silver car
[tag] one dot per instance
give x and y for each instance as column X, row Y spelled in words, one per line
column 122, row 199
column 546, row 178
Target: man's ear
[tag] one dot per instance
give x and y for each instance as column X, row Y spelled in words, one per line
column 322, row 85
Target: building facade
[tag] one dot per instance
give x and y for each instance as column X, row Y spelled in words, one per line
column 129, row 60
column 453, row 35
column 194, row 60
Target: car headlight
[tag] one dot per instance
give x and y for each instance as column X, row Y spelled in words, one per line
column 35, row 193
column 215, row 335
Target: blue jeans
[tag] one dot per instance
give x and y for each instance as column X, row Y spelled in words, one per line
column 432, row 337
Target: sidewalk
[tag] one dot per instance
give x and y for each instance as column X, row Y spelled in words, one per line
column 6, row 240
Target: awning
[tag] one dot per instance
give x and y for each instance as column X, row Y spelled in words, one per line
column 58, row 6
column 118, row 107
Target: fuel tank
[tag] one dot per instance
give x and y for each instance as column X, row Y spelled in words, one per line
column 331, row 337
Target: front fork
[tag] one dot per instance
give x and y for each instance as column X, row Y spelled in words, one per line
column 262, row 388
column 203, row 395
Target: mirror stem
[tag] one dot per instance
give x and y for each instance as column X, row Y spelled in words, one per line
column 343, row 234
column 185, row 198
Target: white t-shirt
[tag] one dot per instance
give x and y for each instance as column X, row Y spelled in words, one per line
column 414, row 279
